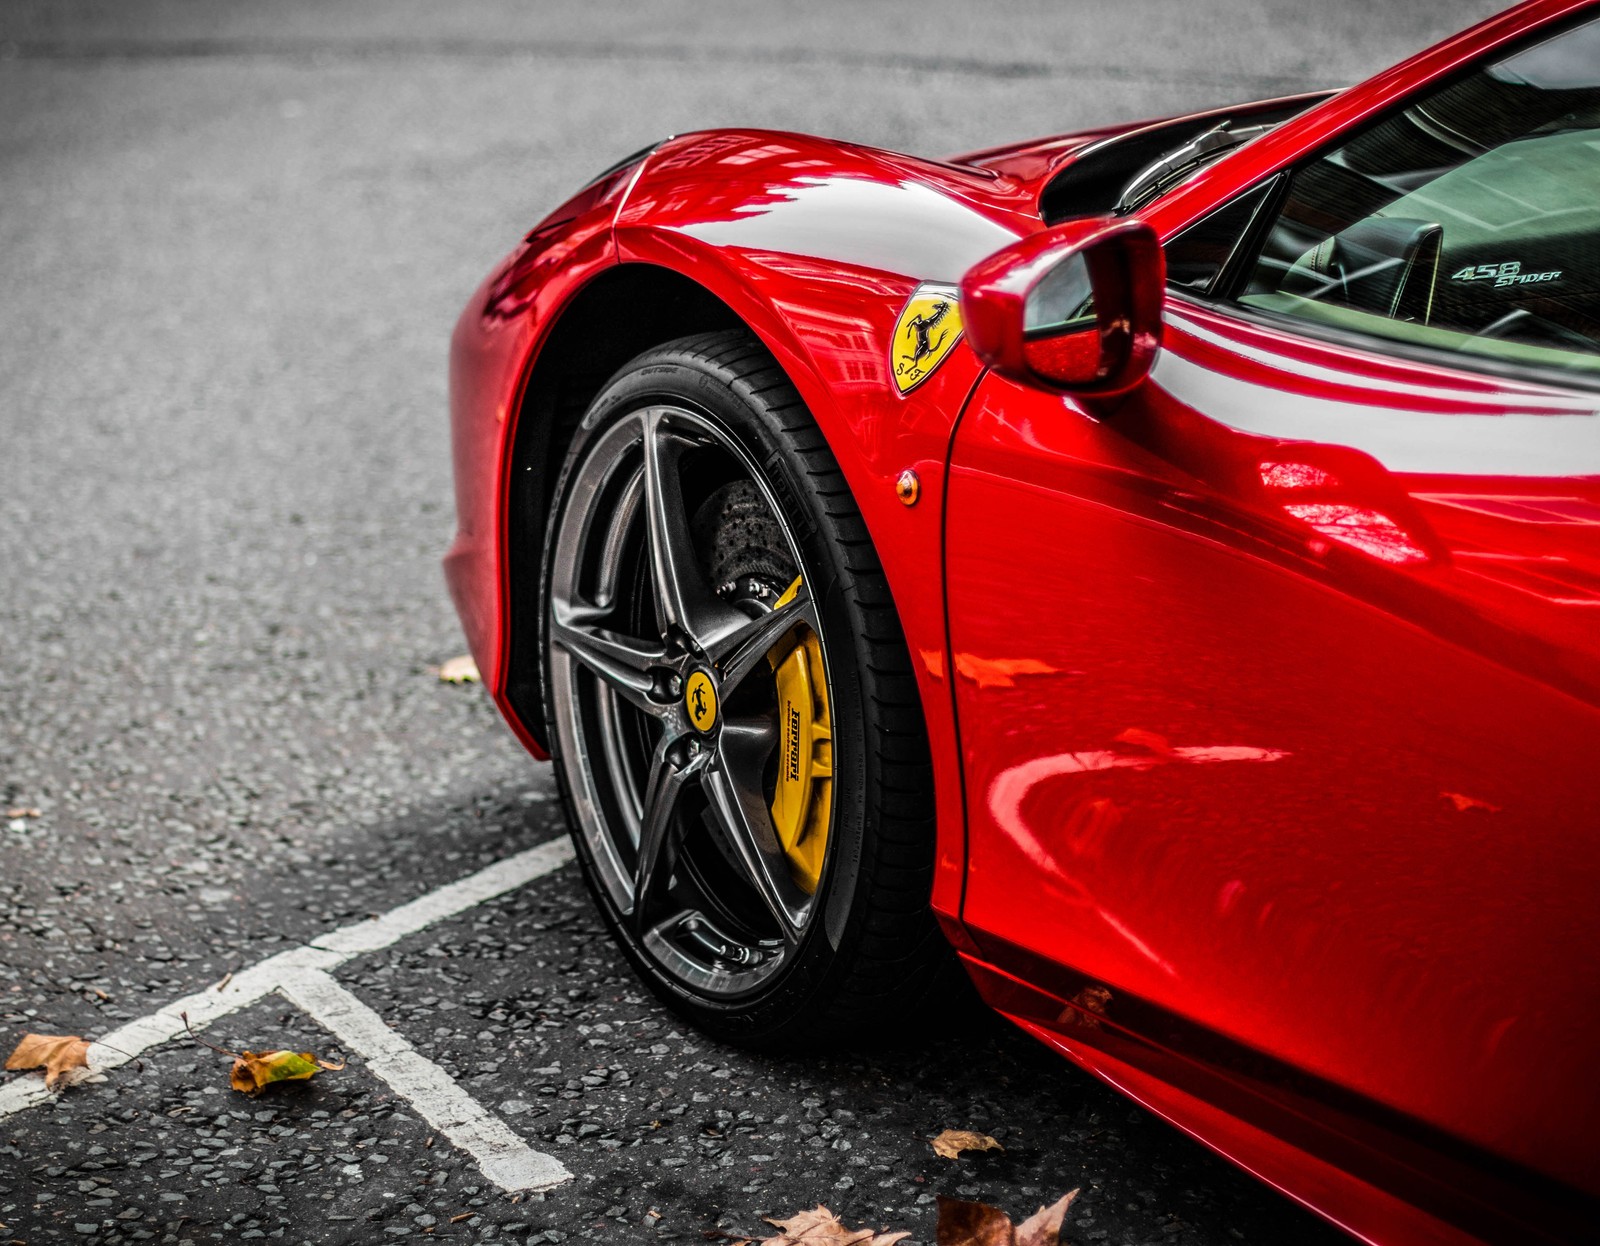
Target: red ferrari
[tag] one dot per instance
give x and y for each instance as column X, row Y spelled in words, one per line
column 1161, row 564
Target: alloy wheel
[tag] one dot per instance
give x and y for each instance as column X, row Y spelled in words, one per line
column 689, row 683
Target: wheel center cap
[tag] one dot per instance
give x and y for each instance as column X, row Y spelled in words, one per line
column 700, row 700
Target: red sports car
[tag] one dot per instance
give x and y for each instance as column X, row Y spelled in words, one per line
column 1161, row 564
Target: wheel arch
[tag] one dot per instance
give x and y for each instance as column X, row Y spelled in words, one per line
column 624, row 310
column 834, row 349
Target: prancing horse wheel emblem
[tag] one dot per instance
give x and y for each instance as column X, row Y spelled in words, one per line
column 700, row 700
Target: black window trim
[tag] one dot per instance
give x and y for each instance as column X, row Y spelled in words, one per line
column 1221, row 294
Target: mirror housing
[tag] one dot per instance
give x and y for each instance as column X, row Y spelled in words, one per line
column 1027, row 309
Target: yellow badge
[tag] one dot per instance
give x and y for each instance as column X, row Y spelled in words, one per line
column 700, row 699
column 927, row 330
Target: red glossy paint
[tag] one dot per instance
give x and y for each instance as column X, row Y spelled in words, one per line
column 495, row 340
column 1265, row 712
column 1123, row 263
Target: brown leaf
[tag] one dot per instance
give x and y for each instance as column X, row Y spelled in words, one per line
column 462, row 670
column 24, row 811
column 1464, row 803
column 977, row 1224
column 253, row 1073
column 1043, row 1228
column 972, row 1224
column 952, row 1142
column 56, row 1054
column 820, row 1227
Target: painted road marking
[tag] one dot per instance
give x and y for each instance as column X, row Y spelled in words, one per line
column 504, row 1157
column 301, row 976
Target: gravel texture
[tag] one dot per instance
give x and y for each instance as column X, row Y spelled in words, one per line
column 233, row 240
column 525, row 1003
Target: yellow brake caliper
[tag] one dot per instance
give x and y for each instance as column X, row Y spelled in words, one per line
column 803, row 800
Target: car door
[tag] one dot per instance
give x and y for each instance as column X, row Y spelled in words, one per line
column 1278, row 680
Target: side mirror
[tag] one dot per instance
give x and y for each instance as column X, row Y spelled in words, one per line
column 1075, row 309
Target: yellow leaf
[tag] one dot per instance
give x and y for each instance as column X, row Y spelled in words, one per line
column 252, row 1073
column 952, row 1142
column 462, row 670
column 56, row 1054
column 820, row 1227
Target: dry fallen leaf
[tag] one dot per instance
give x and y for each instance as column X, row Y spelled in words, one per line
column 820, row 1227
column 462, row 670
column 253, row 1073
column 952, row 1142
column 56, row 1054
column 972, row 1224
column 977, row 1224
column 24, row 811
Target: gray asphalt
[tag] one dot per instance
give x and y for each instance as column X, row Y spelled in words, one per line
column 233, row 239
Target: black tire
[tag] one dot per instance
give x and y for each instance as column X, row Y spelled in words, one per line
column 871, row 950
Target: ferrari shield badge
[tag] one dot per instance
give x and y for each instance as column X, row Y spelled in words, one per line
column 926, row 332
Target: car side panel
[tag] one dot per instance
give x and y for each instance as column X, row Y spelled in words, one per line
column 1249, row 1121
column 1332, row 812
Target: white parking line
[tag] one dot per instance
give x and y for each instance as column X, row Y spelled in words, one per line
column 504, row 1157
column 301, row 976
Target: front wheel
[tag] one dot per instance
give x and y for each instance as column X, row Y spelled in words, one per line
column 733, row 719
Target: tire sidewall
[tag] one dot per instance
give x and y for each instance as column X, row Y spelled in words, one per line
column 760, row 1017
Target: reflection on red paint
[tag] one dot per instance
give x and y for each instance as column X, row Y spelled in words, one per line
column 1522, row 508
column 1071, row 357
column 1090, row 825
column 1294, row 476
column 1360, row 527
column 1363, row 529
column 1464, row 803
column 1000, row 672
column 1011, row 787
column 1086, row 1008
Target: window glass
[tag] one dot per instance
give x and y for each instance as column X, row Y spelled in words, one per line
column 1060, row 301
column 1195, row 258
column 1468, row 221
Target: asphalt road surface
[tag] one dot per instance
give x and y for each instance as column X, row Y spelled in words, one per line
column 233, row 240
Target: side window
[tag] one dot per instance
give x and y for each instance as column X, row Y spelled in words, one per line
column 1468, row 221
column 1197, row 256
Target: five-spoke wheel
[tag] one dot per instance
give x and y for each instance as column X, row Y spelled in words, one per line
column 696, row 700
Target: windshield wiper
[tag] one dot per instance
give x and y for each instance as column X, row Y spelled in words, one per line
column 1161, row 175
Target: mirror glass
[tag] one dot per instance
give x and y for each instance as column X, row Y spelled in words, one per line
column 1060, row 302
